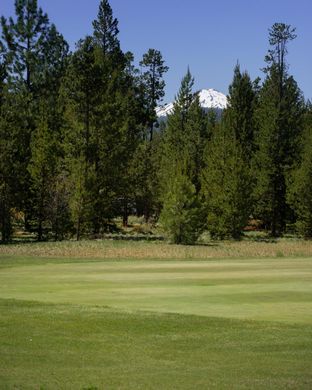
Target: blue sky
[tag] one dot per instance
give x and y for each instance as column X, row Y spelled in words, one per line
column 209, row 36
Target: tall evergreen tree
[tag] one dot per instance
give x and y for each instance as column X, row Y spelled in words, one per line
column 239, row 115
column 299, row 194
column 175, row 134
column 152, row 86
column 101, row 94
column 6, row 173
column 106, row 29
column 42, row 169
column 79, row 97
column 279, row 117
column 153, row 83
column 182, row 160
column 35, row 54
column 197, row 134
column 225, row 185
column 24, row 41
column 145, row 174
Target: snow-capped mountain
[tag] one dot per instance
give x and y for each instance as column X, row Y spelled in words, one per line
column 209, row 98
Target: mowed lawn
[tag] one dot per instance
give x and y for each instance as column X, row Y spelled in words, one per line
column 70, row 323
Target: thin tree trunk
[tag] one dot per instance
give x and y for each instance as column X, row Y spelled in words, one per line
column 78, row 229
column 125, row 213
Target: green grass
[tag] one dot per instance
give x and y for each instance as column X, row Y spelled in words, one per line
column 68, row 323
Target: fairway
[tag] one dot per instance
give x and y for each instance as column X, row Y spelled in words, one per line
column 267, row 289
column 129, row 324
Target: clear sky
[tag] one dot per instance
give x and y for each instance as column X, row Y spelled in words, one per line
column 209, row 36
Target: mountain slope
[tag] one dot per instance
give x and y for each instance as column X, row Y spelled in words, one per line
column 209, row 98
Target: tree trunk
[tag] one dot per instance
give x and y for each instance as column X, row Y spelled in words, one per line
column 125, row 214
column 78, row 229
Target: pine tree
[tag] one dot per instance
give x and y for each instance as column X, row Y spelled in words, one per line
column 239, row 114
column 153, row 83
column 35, row 54
column 181, row 216
column 106, row 29
column 279, row 117
column 24, row 40
column 151, row 87
column 79, row 93
column 6, row 173
column 185, row 135
column 225, row 185
column 197, row 134
column 42, row 169
column 145, row 175
column 101, row 95
column 175, row 136
column 299, row 194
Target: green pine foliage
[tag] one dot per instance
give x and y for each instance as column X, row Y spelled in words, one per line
column 182, row 216
column 153, row 84
column 278, row 143
column 299, row 193
column 35, row 57
column 197, row 134
column 175, row 137
column 185, row 137
column 24, row 40
column 145, row 175
column 279, row 115
column 42, row 169
column 80, row 144
column 239, row 115
column 106, row 29
column 6, row 171
column 226, row 185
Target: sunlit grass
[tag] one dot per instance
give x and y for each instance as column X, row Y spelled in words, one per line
column 108, row 249
column 136, row 315
column 267, row 289
column 77, row 347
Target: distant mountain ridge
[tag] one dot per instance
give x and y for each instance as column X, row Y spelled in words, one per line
column 208, row 98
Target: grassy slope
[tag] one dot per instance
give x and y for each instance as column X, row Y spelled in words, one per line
column 87, row 327
column 71, row 347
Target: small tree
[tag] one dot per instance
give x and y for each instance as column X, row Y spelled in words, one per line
column 299, row 194
column 226, row 186
column 181, row 216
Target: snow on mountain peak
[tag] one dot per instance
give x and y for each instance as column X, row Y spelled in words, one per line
column 208, row 98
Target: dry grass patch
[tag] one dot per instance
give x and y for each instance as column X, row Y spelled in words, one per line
column 109, row 249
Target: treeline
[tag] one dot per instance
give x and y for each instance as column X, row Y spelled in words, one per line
column 80, row 143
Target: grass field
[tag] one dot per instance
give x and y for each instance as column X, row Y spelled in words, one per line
column 82, row 316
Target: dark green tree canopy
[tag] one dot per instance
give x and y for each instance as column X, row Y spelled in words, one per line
column 185, row 95
column 24, row 38
column 153, row 83
column 280, row 121
column 32, row 46
column 106, row 29
column 280, row 34
column 239, row 114
column 154, row 69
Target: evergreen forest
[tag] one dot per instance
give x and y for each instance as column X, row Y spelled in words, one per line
column 80, row 144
